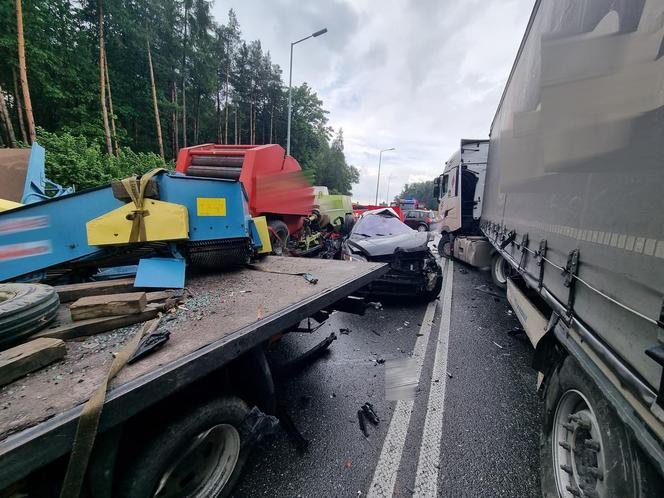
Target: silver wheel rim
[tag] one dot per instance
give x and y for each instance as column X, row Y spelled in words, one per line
column 499, row 270
column 577, row 446
column 204, row 467
column 421, row 228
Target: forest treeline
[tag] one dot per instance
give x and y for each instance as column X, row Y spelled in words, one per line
column 138, row 79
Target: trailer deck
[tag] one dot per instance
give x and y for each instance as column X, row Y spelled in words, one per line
column 228, row 314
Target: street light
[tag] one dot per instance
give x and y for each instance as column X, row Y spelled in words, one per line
column 380, row 158
column 290, row 83
column 387, row 196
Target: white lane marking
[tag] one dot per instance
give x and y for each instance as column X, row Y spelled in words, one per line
column 385, row 475
column 426, row 477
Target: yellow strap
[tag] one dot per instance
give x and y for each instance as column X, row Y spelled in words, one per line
column 137, row 194
column 88, row 422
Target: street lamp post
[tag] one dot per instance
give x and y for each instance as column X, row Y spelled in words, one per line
column 387, row 196
column 290, row 83
column 380, row 158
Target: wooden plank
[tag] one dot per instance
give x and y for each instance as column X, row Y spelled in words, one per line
column 108, row 305
column 72, row 292
column 71, row 330
column 28, row 357
column 153, row 297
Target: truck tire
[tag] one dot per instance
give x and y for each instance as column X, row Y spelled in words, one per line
column 593, row 453
column 279, row 236
column 25, row 309
column 199, row 454
column 445, row 245
column 421, row 228
column 500, row 271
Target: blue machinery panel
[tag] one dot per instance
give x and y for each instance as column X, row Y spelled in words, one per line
column 52, row 232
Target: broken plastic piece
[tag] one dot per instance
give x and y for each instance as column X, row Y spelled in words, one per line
column 310, row 278
column 363, row 425
column 149, row 344
column 256, row 426
column 370, row 413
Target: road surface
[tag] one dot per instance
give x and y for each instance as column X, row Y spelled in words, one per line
column 471, row 430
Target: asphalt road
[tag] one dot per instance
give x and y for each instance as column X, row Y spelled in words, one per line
column 471, row 429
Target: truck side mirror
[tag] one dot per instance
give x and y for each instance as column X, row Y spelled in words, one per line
column 436, row 188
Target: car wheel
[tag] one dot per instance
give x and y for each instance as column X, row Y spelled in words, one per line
column 500, row 271
column 199, row 454
column 430, row 295
column 585, row 450
column 279, row 237
column 421, row 228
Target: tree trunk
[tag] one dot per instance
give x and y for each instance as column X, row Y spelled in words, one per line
column 226, row 119
column 19, row 109
column 237, row 142
column 102, row 80
column 218, row 116
column 251, row 117
column 176, row 131
column 184, row 78
column 110, row 104
column 155, row 107
column 23, row 72
column 271, row 120
column 7, row 120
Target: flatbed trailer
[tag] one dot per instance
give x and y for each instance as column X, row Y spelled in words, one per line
column 215, row 348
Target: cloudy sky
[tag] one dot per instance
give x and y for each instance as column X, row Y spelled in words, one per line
column 417, row 75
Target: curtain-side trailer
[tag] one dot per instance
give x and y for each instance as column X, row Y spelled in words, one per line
column 573, row 206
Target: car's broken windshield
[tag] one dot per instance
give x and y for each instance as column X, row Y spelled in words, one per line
column 377, row 225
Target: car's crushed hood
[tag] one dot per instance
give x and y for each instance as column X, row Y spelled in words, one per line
column 383, row 246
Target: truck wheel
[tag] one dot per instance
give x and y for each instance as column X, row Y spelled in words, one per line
column 24, row 309
column 445, row 245
column 279, row 236
column 500, row 271
column 585, row 450
column 421, row 228
column 200, row 454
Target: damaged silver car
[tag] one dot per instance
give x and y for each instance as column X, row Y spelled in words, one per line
column 380, row 236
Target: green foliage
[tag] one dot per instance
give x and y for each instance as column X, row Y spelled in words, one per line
column 233, row 91
column 73, row 160
column 422, row 191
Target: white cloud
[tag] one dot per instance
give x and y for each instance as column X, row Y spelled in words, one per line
column 415, row 75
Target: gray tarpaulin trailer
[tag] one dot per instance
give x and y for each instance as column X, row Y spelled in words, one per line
column 574, row 201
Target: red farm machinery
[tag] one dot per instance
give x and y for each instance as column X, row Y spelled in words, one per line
column 273, row 182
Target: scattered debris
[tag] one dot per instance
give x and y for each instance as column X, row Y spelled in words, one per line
column 377, row 333
column 293, row 366
column 501, row 347
column 370, row 413
column 380, row 361
column 449, row 375
column 293, row 433
column 348, row 464
column 149, row 344
column 463, row 271
column 344, row 331
column 363, row 424
column 375, row 305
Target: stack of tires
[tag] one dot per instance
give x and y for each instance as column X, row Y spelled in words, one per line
column 25, row 309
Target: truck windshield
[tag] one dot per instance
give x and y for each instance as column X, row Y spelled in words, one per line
column 379, row 225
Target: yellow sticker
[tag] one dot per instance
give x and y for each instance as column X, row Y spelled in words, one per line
column 211, row 206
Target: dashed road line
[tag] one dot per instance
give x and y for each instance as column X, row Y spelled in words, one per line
column 385, row 475
column 426, row 477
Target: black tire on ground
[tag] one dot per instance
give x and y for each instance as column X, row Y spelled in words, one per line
column 280, row 244
column 615, row 468
column 176, row 458
column 445, row 245
column 25, row 309
column 432, row 294
column 500, row 271
column 421, row 228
